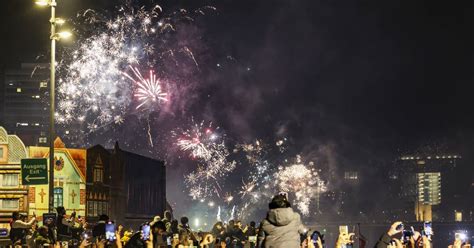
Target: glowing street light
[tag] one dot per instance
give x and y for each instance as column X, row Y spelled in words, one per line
column 63, row 35
column 42, row 2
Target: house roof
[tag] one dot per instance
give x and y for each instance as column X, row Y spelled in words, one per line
column 77, row 156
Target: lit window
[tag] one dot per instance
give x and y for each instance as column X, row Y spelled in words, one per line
column 89, row 208
column 43, row 84
column 42, row 140
column 351, row 175
column 35, row 96
column 98, row 174
column 58, row 197
column 9, row 180
column 9, row 204
column 458, row 216
column 18, row 90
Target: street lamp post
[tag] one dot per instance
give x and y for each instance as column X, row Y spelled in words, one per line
column 52, row 106
column 54, row 36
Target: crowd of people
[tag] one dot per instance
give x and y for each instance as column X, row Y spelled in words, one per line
column 281, row 228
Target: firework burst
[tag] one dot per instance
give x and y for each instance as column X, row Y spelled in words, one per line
column 93, row 89
column 301, row 180
column 204, row 144
column 148, row 91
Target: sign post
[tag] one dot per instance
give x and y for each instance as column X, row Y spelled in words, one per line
column 34, row 171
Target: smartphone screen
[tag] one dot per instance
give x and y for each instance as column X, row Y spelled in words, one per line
column 428, row 230
column 87, row 234
column 146, row 232
column 110, row 231
column 459, row 236
column 168, row 240
column 314, row 238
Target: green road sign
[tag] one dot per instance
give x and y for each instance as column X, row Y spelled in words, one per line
column 34, row 171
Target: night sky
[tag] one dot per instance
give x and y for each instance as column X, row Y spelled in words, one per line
column 371, row 79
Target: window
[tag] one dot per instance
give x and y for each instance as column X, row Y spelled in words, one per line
column 42, row 140
column 98, row 170
column 43, row 84
column 351, row 175
column 457, row 216
column 98, row 174
column 1, row 152
column 9, row 204
column 106, row 208
column 18, row 90
column 9, row 180
column 58, row 197
column 99, row 208
column 95, row 212
column 90, row 209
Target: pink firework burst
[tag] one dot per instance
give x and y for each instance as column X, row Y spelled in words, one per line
column 149, row 90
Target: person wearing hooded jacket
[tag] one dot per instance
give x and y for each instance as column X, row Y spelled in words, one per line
column 282, row 226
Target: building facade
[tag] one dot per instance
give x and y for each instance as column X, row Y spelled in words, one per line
column 24, row 103
column 98, row 182
column 13, row 195
column 138, row 187
column 69, row 180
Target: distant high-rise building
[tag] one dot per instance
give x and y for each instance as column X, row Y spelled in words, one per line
column 429, row 188
column 24, row 102
column 424, row 183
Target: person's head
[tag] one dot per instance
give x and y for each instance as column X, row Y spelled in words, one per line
column 43, row 230
column 61, row 211
column 279, row 201
column 184, row 221
column 252, row 223
column 159, row 227
column 23, row 217
column 217, row 226
column 167, row 215
column 174, row 224
column 104, row 217
column 231, row 223
column 15, row 215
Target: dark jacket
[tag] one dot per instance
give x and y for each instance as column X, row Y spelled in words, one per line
column 281, row 229
column 384, row 241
